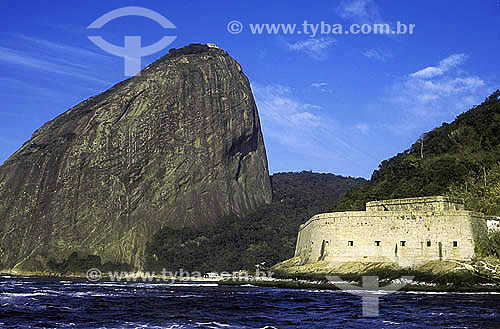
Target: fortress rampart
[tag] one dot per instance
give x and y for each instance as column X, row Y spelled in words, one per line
column 404, row 231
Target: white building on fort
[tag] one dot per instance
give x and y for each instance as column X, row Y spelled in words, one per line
column 408, row 232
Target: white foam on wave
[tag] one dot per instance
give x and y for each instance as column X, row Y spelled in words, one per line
column 325, row 290
column 149, row 285
column 137, row 325
column 50, row 291
column 99, row 284
column 173, row 284
column 452, row 293
column 174, row 326
column 92, row 294
column 428, row 292
column 194, row 285
column 20, row 294
column 213, row 323
column 189, row 296
column 111, row 284
column 361, row 292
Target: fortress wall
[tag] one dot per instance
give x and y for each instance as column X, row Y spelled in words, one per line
column 352, row 236
column 434, row 203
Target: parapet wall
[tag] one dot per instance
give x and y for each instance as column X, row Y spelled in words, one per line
column 434, row 203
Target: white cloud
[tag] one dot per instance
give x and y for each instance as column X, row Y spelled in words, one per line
column 378, row 55
column 434, row 94
column 19, row 58
column 314, row 48
column 453, row 60
column 437, row 82
column 305, row 119
column 319, row 84
column 55, row 46
column 449, row 86
column 277, row 103
column 428, row 94
column 362, row 127
column 362, row 11
column 54, row 57
column 428, row 72
column 445, row 65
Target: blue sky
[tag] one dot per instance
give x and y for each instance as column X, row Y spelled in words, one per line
column 329, row 103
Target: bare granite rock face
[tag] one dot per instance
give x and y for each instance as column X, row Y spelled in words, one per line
column 179, row 145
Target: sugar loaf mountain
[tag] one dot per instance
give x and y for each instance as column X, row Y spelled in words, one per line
column 179, row 145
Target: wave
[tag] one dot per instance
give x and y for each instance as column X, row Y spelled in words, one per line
column 189, row 296
column 21, row 294
column 193, row 284
column 451, row 293
column 216, row 324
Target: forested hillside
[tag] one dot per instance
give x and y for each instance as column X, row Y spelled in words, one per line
column 267, row 235
column 459, row 159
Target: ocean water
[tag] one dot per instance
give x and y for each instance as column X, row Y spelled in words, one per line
column 54, row 303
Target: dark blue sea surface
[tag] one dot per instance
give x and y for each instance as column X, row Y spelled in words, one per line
column 55, row 303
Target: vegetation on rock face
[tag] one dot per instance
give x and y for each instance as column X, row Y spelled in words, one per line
column 267, row 235
column 460, row 159
column 480, row 192
column 76, row 264
column 489, row 246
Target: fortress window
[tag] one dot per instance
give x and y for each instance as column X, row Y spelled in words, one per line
column 455, row 244
column 377, row 243
column 403, row 243
column 350, row 243
column 428, row 243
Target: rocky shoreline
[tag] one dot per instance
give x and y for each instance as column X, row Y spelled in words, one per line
column 283, row 283
column 322, row 285
column 479, row 276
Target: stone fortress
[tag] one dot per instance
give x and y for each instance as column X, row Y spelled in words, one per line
column 409, row 232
